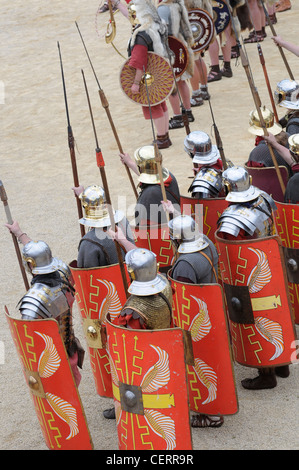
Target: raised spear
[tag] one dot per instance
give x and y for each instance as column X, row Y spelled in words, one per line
column 263, row 64
column 257, row 102
column 71, row 146
column 105, row 105
column 279, row 47
column 14, row 238
column 158, row 156
column 101, row 166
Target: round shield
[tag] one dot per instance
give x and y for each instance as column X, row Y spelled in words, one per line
column 221, row 15
column 181, row 55
column 155, row 85
column 202, row 27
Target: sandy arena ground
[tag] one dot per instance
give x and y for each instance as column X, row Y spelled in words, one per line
column 36, row 171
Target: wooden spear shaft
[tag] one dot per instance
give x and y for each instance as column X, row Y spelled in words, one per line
column 257, row 102
column 279, row 47
column 263, row 63
column 158, row 156
column 101, row 166
column 71, row 146
column 105, row 105
column 14, row 238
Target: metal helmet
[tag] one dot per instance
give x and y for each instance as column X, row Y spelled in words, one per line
column 132, row 17
column 143, row 270
column 293, row 141
column 199, row 147
column 184, row 230
column 38, row 259
column 207, row 184
column 268, row 117
column 95, row 208
column 148, row 167
column 238, row 182
column 287, row 94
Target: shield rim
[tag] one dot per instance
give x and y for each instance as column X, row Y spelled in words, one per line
column 212, row 33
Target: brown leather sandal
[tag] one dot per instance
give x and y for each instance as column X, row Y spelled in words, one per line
column 206, row 421
column 214, row 76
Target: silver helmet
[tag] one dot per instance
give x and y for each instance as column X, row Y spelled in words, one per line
column 143, row 270
column 207, row 184
column 199, row 147
column 38, row 259
column 95, row 208
column 287, row 94
column 238, row 183
column 184, row 230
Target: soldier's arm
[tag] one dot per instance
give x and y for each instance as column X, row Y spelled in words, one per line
column 19, row 234
column 281, row 149
column 279, row 41
column 120, row 237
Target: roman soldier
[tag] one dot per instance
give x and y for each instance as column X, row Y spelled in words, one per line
column 286, row 95
column 51, row 294
column 251, row 261
column 148, row 362
column 194, row 276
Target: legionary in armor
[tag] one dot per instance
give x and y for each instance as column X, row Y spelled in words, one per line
column 197, row 263
column 97, row 247
column 260, row 156
column 249, row 216
column 149, row 305
column 250, row 210
column 197, row 260
column 286, row 95
column 148, row 208
column 51, row 294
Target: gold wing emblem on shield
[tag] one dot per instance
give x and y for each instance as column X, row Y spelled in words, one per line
column 260, row 275
column 110, row 303
column 208, row 378
column 49, row 362
column 271, row 331
column 201, row 323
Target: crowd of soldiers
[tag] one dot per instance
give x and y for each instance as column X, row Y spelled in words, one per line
column 212, row 291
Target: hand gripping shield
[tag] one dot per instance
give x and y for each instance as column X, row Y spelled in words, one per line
column 205, row 211
column 255, row 285
column 156, row 239
column 98, row 291
column 159, row 81
column 50, row 380
column 287, row 226
column 199, row 309
column 149, row 388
